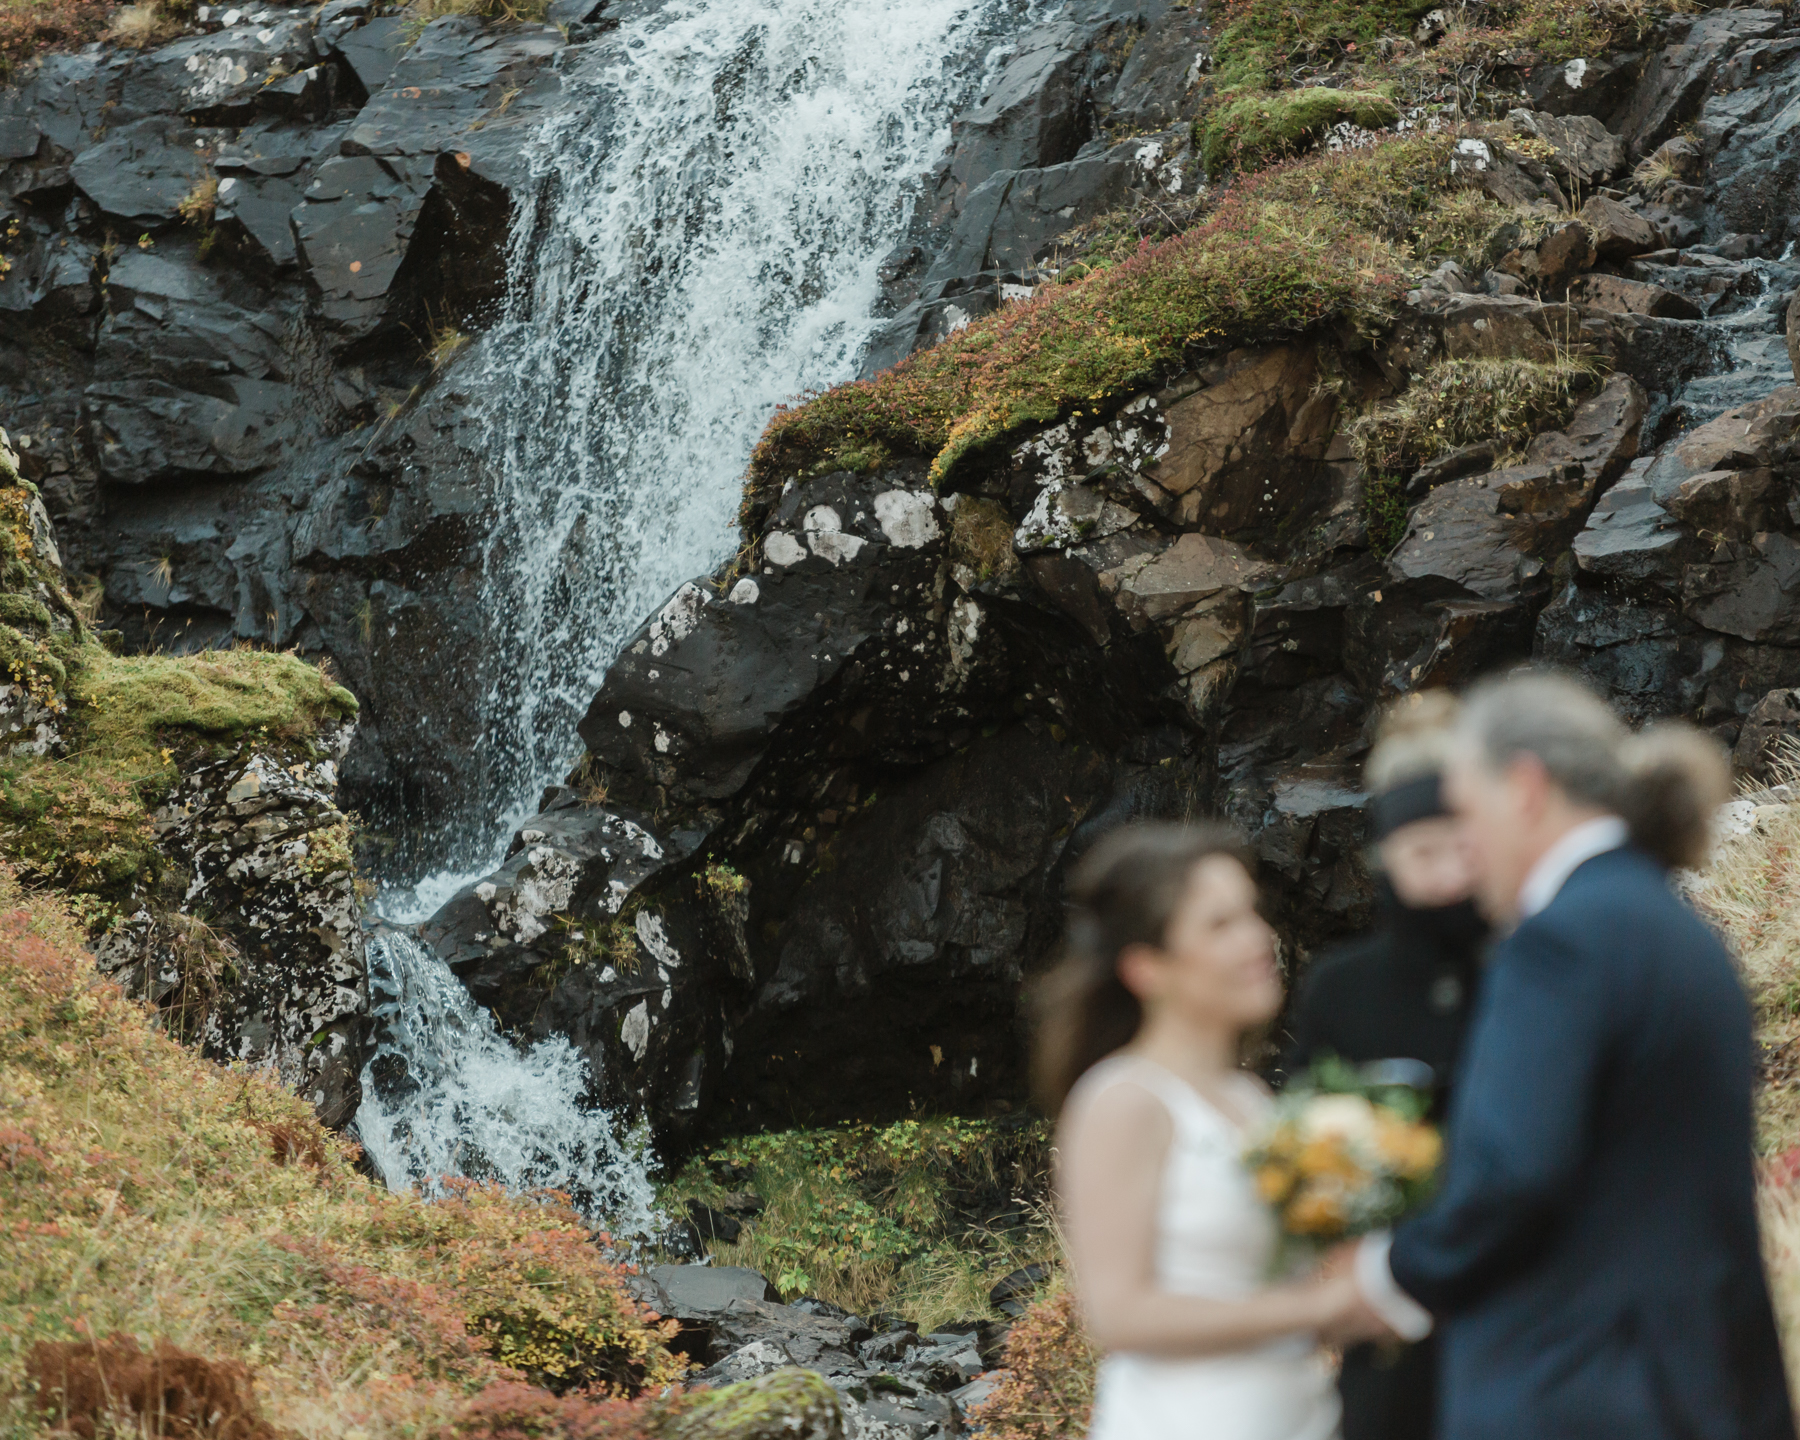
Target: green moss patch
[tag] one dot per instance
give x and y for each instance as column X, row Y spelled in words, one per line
column 1261, row 41
column 1328, row 239
column 921, row 1217
column 1249, row 131
column 82, row 819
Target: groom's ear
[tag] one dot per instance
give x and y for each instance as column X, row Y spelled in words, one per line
column 1530, row 787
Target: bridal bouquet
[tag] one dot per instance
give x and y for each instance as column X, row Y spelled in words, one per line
column 1343, row 1155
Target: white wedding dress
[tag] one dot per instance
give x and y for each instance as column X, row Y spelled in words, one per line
column 1214, row 1237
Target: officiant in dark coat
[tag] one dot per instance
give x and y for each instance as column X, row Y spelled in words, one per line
column 1400, row 993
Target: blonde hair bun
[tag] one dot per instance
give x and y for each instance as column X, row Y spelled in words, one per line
column 1413, row 739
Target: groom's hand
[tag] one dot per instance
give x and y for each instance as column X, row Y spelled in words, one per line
column 1351, row 1319
column 1355, row 1322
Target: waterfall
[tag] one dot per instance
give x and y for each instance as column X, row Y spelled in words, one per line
column 718, row 189
column 447, row 1094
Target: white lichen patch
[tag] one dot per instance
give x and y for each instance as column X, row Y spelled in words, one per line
column 654, row 938
column 826, row 535
column 907, row 518
column 1066, row 514
column 634, row 1033
column 677, row 619
column 781, row 548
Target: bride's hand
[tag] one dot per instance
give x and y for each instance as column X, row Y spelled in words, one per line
column 1344, row 1316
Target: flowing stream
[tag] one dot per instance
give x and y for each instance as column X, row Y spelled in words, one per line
column 719, row 187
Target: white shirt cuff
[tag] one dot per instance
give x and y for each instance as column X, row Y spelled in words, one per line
column 1375, row 1279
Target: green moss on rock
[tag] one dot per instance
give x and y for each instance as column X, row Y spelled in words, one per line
column 785, row 1405
column 1249, row 131
column 1260, row 40
column 1325, row 240
column 81, row 818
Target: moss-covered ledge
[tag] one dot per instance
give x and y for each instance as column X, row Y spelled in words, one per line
column 1329, row 240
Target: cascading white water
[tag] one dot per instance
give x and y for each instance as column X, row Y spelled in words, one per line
column 447, row 1094
column 721, row 186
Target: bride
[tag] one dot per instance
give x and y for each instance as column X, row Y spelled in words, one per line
column 1166, row 965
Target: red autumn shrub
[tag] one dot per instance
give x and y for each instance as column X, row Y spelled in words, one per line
column 1047, row 1382
column 508, row 1410
column 30, row 29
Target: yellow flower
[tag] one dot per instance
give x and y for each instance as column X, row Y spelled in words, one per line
column 1274, row 1183
column 1328, row 1155
column 1412, row 1149
column 1315, row 1212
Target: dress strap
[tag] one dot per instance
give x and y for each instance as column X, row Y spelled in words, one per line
column 1186, row 1106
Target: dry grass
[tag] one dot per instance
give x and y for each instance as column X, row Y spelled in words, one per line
column 149, row 1193
column 142, row 25
column 443, row 344
column 1751, row 891
column 197, row 206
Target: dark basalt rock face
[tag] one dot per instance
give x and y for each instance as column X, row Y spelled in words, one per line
column 817, row 845
column 843, row 777
column 233, row 417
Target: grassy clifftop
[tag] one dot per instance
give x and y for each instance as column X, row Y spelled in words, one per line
column 1282, row 244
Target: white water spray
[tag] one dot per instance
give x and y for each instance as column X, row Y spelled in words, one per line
column 720, row 195
column 447, row 1094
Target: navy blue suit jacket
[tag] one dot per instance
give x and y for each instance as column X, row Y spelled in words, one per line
column 1592, row 1253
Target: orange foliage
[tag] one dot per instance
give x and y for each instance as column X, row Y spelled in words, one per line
column 145, row 1191
column 507, row 1410
column 1047, row 1384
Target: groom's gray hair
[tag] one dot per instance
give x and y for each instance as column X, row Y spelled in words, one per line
column 1665, row 781
column 1572, row 732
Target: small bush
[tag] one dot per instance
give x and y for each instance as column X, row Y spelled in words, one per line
column 197, row 206
column 87, row 1386
column 1046, row 1389
column 892, row 1217
column 1459, row 402
column 1249, row 131
column 36, row 27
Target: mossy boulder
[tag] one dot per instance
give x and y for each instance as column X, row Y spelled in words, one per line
column 1326, row 241
column 784, row 1405
column 1249, row 131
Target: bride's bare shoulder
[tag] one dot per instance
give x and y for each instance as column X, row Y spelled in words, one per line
column 1111, row 1109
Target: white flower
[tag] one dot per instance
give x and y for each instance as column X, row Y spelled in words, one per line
column 1348, row 1116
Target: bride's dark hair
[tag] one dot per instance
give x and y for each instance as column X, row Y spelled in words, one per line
column 1123, row 892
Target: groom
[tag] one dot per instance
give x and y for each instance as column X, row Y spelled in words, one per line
column 1591, row 1259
